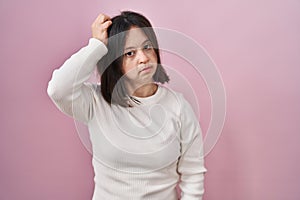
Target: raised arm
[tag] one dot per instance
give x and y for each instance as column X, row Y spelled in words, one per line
column 68, row 88
column 191, row 163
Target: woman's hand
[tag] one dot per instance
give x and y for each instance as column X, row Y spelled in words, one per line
column 99, row 28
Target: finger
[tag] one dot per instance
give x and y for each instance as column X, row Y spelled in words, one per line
column 107, row 24
column 102, row 18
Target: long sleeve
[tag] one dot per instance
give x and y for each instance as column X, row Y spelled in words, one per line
column 68, row 88
column 191, row 162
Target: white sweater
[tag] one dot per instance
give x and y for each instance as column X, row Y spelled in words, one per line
column 139, row 152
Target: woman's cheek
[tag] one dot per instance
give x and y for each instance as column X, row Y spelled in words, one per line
column 131, row 73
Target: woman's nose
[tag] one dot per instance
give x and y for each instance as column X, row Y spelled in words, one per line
column 142, row 56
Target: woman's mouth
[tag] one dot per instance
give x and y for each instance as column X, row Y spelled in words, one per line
column 146, row 69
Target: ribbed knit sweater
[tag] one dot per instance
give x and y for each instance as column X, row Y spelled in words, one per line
column 140, row 152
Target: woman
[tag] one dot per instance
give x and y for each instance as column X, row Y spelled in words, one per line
column 145, row 137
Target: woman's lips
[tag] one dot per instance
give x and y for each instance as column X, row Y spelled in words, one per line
column 146, row 69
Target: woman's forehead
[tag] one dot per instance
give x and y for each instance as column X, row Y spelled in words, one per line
column 135, row 37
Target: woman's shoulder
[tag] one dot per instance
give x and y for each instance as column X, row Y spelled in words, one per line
column 175, row 98
column 170, row 92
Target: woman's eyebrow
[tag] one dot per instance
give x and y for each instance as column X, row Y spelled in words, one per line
column 147, row 40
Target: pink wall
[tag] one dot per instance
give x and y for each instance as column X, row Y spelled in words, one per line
column 255, row 44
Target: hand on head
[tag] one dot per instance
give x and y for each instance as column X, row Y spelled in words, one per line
column 99, row 27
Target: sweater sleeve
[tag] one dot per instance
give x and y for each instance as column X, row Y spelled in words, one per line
column 68, row 88
column 191, row 162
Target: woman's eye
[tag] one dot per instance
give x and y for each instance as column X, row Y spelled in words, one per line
column 148, row 46
column 129, row 53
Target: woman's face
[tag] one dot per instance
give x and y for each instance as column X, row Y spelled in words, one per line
column 140, row 60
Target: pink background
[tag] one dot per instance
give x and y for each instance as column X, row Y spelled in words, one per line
column 255, row 44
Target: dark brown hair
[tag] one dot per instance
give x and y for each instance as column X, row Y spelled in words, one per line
column 109, row 67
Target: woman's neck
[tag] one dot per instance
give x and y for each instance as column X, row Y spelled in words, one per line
column 145, row 90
